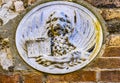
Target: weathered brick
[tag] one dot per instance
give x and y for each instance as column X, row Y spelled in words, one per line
column 77, row 76
column 19, row 6
column 31, row 2
column 110, row 76
column 32, row 78
column 110, row 13
column 114, row 40
column 112, row 52
column 0, row 2
column 114, row 26
column 105, row 3
column 9, row 79
column 105, row 63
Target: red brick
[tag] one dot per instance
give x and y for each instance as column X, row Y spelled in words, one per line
column 77, row 76
column 112, row 52
column 103, row 63
column 9, row 79
column 110, row 76
column 32, row 78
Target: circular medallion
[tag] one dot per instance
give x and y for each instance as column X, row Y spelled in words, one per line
column 59, row 37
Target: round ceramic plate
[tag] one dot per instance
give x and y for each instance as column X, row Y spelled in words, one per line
column 59, row 37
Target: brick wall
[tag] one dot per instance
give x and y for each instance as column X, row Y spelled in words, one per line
column 104, row 69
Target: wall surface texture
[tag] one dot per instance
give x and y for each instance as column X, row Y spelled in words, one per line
column 103, row 69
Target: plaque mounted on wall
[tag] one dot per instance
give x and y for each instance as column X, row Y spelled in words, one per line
column 59, row 37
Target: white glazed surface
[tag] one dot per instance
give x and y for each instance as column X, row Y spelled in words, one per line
column 82, row 42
